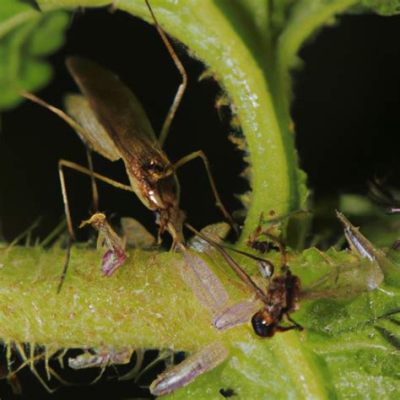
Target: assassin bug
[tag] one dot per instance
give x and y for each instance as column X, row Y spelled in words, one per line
column 111, row 121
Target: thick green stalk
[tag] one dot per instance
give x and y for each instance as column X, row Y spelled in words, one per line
column 145, row 304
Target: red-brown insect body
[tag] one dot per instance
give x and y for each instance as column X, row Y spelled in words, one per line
column 282, row 297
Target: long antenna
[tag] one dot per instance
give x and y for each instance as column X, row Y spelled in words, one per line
column 240, row 272
column 182, row 87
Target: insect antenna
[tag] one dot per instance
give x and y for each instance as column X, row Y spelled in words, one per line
column 267, row 267
column 240, row 272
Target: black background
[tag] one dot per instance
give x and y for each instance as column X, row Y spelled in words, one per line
column 346, row 110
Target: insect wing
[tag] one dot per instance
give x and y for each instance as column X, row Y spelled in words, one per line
column 239, row 271
column 136, row 235
column 100, row 358
column 346, row 281
column 95, row 135
column 205, row 285
column 116, row 108
column 216, row 232
column 237, row 314
column 115, row 255
column 363, row 247
column 196, row 364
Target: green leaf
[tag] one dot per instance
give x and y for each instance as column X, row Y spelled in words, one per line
column 26, row 35
column 386, row 7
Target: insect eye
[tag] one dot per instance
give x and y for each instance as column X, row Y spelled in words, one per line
column 155, row 168
column 262, row 327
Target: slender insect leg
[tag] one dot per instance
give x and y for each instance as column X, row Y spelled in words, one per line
column 60, row 357
column 296, row 325
column 76, row 167
column 65, row 201
column 95, row 191
column 218, row 202
column 60, row 113
column 81, row 131
column 281, row 247
column 258, row 231
column 166, row 356
column 280, row 328
column 134, row 372
column 100, row 374
column 181, row 88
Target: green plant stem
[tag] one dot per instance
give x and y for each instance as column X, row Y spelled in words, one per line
column 144, row 305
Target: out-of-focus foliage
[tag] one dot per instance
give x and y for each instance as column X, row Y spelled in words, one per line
column 26, row 37
column 382, row 7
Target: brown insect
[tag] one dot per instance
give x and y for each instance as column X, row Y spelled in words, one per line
column 279, row 300
column 111, row 121
column 283, row 292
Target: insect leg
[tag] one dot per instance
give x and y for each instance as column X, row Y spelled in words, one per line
column 218, row 201
column 103, row 368
column 295, row 325
column 181, row 88
column 81, row 131
column 76, row 167
column 69, row 164
column 95, row 191
column 280, row 328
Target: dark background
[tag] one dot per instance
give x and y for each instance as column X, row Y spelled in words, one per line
column 346, row 110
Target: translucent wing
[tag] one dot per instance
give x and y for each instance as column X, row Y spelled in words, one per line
column 196, row 364
column 116, row 108
column 94, row 133
column 204, row 283
column 216, row 232
column 100, row 358
column 346, row 281
column 124, row 120
column 237, row 314
column 363, row 247
column 351, row 279
column 136, row 235
column 211, row 293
